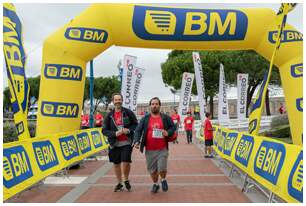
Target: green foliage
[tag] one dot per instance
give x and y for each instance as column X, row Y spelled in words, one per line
column 34, row 83
column 278, row 132
column 9, row 132
column 279, row 120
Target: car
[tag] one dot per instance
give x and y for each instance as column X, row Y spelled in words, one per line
column 32, row 114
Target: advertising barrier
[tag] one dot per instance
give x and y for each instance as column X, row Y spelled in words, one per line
column 29, row 161
column 275, row 165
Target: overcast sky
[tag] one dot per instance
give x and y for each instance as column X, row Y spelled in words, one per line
column 40, row 20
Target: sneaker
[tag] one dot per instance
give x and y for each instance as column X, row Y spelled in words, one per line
column 118, row 188
column 127, row 185
column 164, row 185
column 155, row 188
column 210, row 156
column 206, row 156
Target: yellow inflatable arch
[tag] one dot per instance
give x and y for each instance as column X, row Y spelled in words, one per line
column 66, row 52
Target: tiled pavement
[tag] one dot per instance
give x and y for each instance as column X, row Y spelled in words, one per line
column 191, row 178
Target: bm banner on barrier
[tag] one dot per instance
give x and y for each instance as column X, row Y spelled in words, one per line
column 29, row 161
column 275, row 165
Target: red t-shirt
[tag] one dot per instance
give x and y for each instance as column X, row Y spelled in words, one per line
column 155, row 140
column 119, row 124
column 98, row 118
column 85, row 120
column 176, row 118
column 208, row 133
column 188, row 121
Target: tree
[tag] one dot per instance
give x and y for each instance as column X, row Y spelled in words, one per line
column 6, row 99
column 234, row 62
column 34, row 83
column 103, row 89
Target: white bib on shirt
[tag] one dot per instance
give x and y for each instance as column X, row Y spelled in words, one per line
column 157, row 133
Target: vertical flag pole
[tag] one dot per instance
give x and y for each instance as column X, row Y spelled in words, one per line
column 91, row 82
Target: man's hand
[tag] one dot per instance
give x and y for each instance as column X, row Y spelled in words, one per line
column 136, row 145
column 165, row 133
column 119, row 132
column 125, row 131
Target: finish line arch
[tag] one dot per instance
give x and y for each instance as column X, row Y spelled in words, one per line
column 66, row 52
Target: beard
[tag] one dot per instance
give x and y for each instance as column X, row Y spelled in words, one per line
column 155, row 110
column 118, row 105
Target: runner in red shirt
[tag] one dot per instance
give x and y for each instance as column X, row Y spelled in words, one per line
column 208, row 135
column 177, row 121
column 85, row 121
column 188, row 122
column 98, row 119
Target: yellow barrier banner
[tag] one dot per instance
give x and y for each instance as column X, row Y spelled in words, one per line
column 275, row 165
column 29, row 161
column 15, row 64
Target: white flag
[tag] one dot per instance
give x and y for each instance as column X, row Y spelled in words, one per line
column 200, row 83
column 127, row 84
column 223, row 113
column 186, row 88
column 242, row 85
column 136, row 81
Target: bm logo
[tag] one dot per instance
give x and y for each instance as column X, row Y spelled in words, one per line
column 296, row 70
column 229, row 143
column 69, row 147
column 295, row 182
column 299, row 104
column 86, row 34
column 244, row 150
column 16, row 166
column 157, row 23
column 59, row 109
column 63, row 71
column 269, row 160
column 84, row 142
column 287, row 36
column 96, row 139
column 45, row 155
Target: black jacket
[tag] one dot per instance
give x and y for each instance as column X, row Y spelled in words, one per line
column 109, row 128
column 141, row 130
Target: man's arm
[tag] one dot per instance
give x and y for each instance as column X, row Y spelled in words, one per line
column 138, row 131
column 171, row 127
column 134, row 122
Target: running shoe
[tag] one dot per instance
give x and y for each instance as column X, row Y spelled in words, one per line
column 127, row 185
column 118, row 188
column 155, row 188
column 164, row 185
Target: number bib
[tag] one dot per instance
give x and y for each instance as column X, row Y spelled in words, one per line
column 157, row 133
column 175, row 121
column 188, row 121
column 119, row 127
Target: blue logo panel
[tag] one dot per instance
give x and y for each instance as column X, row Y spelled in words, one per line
column 244, row 150
column 295, row 182
column 177, row 24
column 299, row 104
column 59, row 109
column 16, row 166
column 296, row 70
column 229, row 143
column 69, row 147
column 269, row 160
column 86, row 34
column 287, row 36
column 63, row 71
column 45, row 155
column 84, row 142
column 96, row 139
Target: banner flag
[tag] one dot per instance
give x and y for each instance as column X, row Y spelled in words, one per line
column 242, row 85
column 15, row 64
column 185, row 95
column 200, row 83
column 255, row 115
column 127, row 83
column 223, row 113
column 136, row 82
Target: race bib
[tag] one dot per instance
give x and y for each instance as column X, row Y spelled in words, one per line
column 175, row 121
column 157, row 133
column 119, row 127
column 188, row 121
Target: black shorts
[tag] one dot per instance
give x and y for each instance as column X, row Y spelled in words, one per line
column 120, row 154
column 209, row 142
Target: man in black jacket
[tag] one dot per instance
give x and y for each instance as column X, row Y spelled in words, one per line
column 154, row 132
column 119, row 126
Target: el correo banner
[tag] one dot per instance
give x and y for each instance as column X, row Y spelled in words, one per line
column 275, row 165
column 128, row 84
column 29, row 161
column 223, row 113
column 186, row 88
column 136, row 81
column 200, row 83
column 242, row 85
